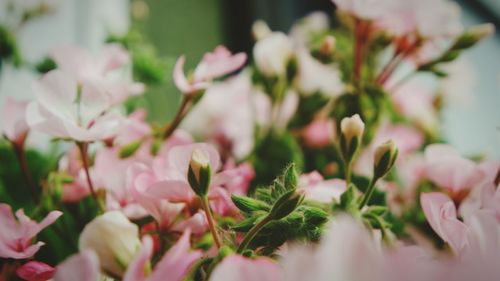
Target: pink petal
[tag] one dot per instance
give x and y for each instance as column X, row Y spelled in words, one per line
column 180, row 79
column 80, row 267
column 177, row 261
column 35, row 271
column 236, row 267
column 136, row 270
column 13, row 120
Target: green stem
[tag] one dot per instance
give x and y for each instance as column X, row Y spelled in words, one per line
column 210, row 219
column 348, row 173
column 368, row 193
column 251, row 234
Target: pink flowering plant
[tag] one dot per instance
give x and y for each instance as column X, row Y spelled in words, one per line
column 317, row 158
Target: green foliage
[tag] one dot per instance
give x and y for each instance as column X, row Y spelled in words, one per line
column 272, row 153
column 307, row 109
column 9, row 50
column 280, row 205
column 45, row 65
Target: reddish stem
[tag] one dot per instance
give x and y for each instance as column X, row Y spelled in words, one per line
column 83, row 147
column 21, row 157
column 178, row 117
column 361, row 34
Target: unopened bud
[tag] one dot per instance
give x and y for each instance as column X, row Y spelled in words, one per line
column 260, row 29
column 199, row 172
column 352, row 129
column 385, row 156
column 286, row 204
column 328, row 45
column 473, row 35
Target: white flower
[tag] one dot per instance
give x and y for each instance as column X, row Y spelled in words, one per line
column 115, row 240
column 272, row 54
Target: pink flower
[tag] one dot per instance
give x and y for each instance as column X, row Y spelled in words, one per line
column 321, row 190
column 175, row 263
column 229, row 128
column 366, row 9
column 71, row 165
column 16, row 234
column 441, row 214
column 213, row 65
column 347, row 251
column 236, row 267
column 64, row 111
column 13, row 121
column 100, row 70
column 109, row 172
column 80, row 267
column 319, row 133
column 446, row 168
column 134, row 128
column 35, row 271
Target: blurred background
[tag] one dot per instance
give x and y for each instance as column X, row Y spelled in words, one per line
column 192, row 27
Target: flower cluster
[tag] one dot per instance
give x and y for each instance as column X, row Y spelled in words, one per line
column 319, row 159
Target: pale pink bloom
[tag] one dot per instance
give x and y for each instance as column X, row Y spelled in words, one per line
column 319, row 133
column 79, row 267
column 236, row 267
column 236, row 178
column 71, row 165
column 61, row 110
column 216, row 64
column 101, row 70
column 229, row 128
column 17, row 234
column 303, row 31
column 441, row 214
column 446, row 168
column 366, row 9
column 13, row 121
column 109, row 173
column 428, row 18
column 174, row 265
column 134, row 128
column 415, row 100
column 35, row 271
column 321, row 190
column 347, row 251
column 269, row 115
column 406, row 138
column 316, row 77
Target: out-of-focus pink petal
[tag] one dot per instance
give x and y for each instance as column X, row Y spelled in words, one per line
column 179, row 77
column 218, row 63
column 441, row 214
column 112, row 56
column 136, row 270
column 13, row 120
column 71, row 59
column 35, row 271
column 177, row 261
column 180, row 156
column 319, row 133
column 197, row 224
column 80, row 267
column 236, row 267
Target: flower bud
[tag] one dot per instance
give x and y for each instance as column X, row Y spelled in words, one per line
column 260, row 30
column 114, row 239
column 351, row 133
column 286, row 204
column 473, row 35
column 272, row 54
column 199, row 172
column 328, row 45
column 385, row 156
